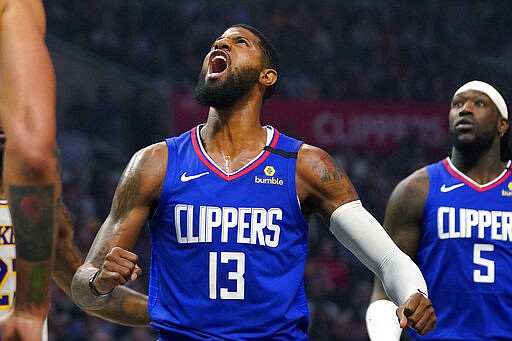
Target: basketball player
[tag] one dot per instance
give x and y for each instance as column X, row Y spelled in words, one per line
column 227, row 204
column 31, row 175
column 454, row 218
column 127, row 308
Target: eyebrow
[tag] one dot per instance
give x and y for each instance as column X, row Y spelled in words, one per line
column 234, row 37
column 476, row 95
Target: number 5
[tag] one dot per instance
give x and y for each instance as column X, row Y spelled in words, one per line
column 479, row 260
column 238, row 276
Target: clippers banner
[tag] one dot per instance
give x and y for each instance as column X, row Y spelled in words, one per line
column 333, row 125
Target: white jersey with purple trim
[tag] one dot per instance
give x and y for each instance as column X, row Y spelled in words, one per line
column 7, row 259
column 8, row 265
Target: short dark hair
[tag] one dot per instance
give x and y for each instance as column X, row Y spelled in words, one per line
column 269, row 51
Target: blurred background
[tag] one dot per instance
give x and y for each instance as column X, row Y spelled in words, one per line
column 370, row 81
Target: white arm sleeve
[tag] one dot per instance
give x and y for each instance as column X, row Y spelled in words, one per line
column 381, row 321
column 362, row 234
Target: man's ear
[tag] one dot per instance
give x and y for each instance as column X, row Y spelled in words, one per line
column 268, row 77
column 503, row 126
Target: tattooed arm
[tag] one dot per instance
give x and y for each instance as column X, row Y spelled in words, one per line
column 31, row 173
column 127, row 307
column 110, row 260
column 324, row 187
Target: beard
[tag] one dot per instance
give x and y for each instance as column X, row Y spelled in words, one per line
column 223, row 94
column 474, row 147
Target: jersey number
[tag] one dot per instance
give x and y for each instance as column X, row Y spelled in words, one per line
column 480, row 276
column 237, row 276
column 5, row 299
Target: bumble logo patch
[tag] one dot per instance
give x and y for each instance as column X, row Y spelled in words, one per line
column 269, row 171
column 269, row 180
column 505, row 193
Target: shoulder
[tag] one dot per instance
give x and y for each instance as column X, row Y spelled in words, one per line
column 312, row 155
column 404, row 211
column 146, row 169
column 412, row 190
column 314, row 163
column 150, row 156
column 408, row 198
column 321, row 182
column 416, row 183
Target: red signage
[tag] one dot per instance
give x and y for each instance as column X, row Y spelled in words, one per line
column 329, row 124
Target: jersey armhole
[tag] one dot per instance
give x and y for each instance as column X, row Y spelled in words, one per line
column 292, row 192
column 169, row 173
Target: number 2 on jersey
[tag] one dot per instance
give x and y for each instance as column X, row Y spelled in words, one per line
column 5, row 299
column 237, row 276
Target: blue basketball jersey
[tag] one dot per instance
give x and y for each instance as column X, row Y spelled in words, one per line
column 229, row 249
column 465, row 254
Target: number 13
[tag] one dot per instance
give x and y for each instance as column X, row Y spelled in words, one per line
column 237, row 276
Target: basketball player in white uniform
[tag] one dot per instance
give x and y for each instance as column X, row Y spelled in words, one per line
column 8, row 263
column 127, row 307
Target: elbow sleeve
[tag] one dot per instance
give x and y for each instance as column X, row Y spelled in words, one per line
column 362, row 234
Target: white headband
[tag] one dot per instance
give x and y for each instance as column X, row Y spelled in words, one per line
column 487, row 89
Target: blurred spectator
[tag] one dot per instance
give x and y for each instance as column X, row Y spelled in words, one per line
column 144, row 123
column 370, row 50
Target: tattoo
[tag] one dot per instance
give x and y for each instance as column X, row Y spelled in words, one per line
column 99, row 257
column 37, row 283
column 122, row 204
column 338, row 174
column 123, row 306
column 132, row 307
column 328, row 175
column 67, row 260
column 124, row 199
column 327, row 169
column 33, row 219
column 83, row 296
column 333, row 185
column 325, row 175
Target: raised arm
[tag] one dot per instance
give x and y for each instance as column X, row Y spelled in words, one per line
column 324, row 186
column 127, row 307
column 110, row 261
column 402, row 221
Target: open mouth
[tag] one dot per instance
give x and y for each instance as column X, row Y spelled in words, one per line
column 218, row 64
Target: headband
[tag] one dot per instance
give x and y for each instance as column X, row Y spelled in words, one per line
column 490, row 91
